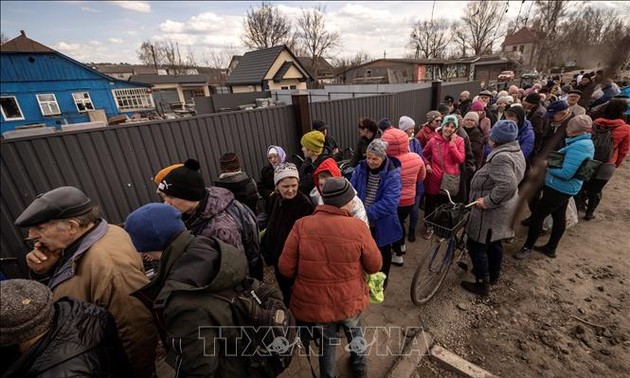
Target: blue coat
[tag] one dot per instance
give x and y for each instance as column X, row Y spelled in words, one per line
column 383, row 213
column 578, row 149
column 526, row 138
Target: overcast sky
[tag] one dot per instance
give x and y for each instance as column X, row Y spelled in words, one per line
column 111, row 31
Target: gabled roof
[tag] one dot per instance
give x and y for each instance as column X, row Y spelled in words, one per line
column 322, row 64
column 170, row 79
column 23, row 44
column 524, row 35
column 254, row 65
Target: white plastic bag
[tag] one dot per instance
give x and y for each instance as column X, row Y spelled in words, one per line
column 571, row 216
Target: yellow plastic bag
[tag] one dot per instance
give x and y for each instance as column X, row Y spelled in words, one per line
column 376, row 284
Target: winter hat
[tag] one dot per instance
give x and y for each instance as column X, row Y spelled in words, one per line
column 405, row 123
column 384, row 124
column 184, row 182
column 513, row 89
column 161, row 174
column 504, row 131
column 378, row 147
column 450, row 119
column 465, row 94
column 64, row 202
column 319, row 125
column 501, row 94
column 472, row 115
column 337, row 191
column 230, row 162
column 285, row 170
column 26, row 310
column 579, row 124
column 505, row 99
column 277, row 150
column 314, row 141
column 477, row 106
column 433, row 114
column 520, row 113
column 443, row 109
column 533, row 98
column 153, row 225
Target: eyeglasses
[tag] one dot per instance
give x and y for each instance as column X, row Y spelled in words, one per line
column 437, row 120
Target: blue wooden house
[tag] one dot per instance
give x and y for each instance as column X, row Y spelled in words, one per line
column 39, row 85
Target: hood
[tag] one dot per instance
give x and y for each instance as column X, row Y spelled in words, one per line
column 578, row 137
column 397, row 142
column 281, row 153
column 233, row 178
column 217, row 200
column 520, row 113
column 612, row 123
column 329, row 165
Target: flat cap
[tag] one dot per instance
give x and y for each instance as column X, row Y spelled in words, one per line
column 60, row 203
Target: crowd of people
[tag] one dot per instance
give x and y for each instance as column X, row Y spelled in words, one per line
column 89, row 306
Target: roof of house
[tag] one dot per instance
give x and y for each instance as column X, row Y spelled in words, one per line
column 524, row 35
column 134, row 69
column 254, row 65
column 170, row 79
column 323, row 65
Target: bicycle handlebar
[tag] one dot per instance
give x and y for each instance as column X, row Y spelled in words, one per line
column 448, row 194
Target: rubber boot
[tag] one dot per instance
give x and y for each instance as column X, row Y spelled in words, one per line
column 412, row 235
column 480, row 287
column 593, row 202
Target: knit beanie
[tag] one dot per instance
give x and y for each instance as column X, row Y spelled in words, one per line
column 184, row 182
column 285, row 170
column 513, row 89
column 502, row 93
column 504, row 131
column 337, row 191
column 405, row 123
column 229, row 162
column 533, row 98
column 26, row 310
column 384, row 124
column 477, row 106
column 580, row 124
column 161, row 174
column 505, row 99
column 377, row 147
column 314, row 141
column 472, row 115
column 153, row 225
column 452, row 119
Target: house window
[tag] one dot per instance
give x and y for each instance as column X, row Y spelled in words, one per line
column 48, row 104
column 521, row 48
column 11, row 109
column 514, row 48
column 284, row 87
column 83, row 101
column 292, row 87
column 133, row 99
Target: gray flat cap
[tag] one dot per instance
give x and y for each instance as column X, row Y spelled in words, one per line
column 60, row 203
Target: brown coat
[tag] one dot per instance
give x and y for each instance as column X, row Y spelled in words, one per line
column 106, row 274
column 328, row 254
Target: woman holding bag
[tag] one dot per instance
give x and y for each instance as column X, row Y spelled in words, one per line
column 443, row 155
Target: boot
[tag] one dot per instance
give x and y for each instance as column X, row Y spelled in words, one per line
column 480, row 287
column 545, row 250
column 593, row 201
column 412, row 235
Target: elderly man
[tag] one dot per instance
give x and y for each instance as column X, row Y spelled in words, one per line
column 464, row 102
column 573, row 97
column 78, row 254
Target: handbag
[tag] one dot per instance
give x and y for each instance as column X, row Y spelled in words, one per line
column 376, row 285
column 588, row 169
column 449, row 182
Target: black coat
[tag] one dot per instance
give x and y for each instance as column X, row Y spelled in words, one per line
column 306, row 173
column 265, row 184
column 243, row 187
column 359, row 151
column 82, row 342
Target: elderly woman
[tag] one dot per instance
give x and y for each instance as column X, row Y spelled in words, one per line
column 443, row 154
column 494, row 189
column 560, row 185
column 502, row 103
column 275, row 156
column 378, row 184
column 427, row 130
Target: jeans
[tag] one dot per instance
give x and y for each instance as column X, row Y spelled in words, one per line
column 486, row 262
column 403, row 213
column 552, row 202
column 328, row 356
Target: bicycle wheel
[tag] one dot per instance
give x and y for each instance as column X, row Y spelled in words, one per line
column 431, row 271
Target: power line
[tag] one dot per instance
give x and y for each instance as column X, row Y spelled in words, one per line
column 432, row 10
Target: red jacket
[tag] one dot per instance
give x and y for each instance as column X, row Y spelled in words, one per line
column 621, row 138
column 329, row 165
column 411, row 164
column 425, row 134
column 328, row 254
column 453, row 155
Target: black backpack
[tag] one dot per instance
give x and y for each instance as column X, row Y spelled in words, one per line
column 604, row 143
column 269, row 325
column 249, row 231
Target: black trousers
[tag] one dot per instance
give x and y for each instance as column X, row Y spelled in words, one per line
column 486, row 261
column 403, row 214
column 591, row 195
column 386, row 253
column 552, row 202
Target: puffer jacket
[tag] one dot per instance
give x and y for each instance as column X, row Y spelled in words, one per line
column 82, row 341
column 192, row 269
column 621, row 138
column 425, row 134
column 497, row 183
column 453, row 156
column 577, row 149
column 383, row 213
column 412, row 167
column 212, row 219
column 242, row 186
column 328, row 254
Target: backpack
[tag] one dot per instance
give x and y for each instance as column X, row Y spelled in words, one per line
column 269, row 325
column 603, row 142
column 249, row 231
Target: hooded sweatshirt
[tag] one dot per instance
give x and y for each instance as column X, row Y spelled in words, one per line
column 412, row 166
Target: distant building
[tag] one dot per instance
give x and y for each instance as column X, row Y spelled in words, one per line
column 325, row 71
column 274, row 68
column 399, row 71
column 520, row 46
column 172, row 92
column 42, row 86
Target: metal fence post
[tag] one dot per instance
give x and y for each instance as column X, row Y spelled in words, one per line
column 302, row 115
column 436, row 94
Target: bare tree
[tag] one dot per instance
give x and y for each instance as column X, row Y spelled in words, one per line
column 547, row 19
column 3, row 38
column 163, row 54
column 314, row 37
column 481, row 22
column 459, row 39
column 265, row 27
column 430, row 38
column 219, row 58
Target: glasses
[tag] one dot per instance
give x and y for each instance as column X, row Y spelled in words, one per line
column 437, row 120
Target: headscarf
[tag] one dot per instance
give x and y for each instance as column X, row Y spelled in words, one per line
column 281, row 154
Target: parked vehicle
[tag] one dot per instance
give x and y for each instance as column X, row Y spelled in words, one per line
column 506, row 76
column 528, row 77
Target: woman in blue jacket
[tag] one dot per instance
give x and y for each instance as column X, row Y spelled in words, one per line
column 378, row 184
column 560, row 186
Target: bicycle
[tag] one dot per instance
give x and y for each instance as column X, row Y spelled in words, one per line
column 448, row 246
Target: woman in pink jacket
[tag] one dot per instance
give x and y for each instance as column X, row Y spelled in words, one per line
column 411, row 171
column 443, row 153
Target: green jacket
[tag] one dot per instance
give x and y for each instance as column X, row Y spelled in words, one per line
column 192, row 267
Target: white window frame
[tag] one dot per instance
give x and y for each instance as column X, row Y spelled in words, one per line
column 20, row 118
column 133, row 99
column 82, row 100
column 47, row 104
